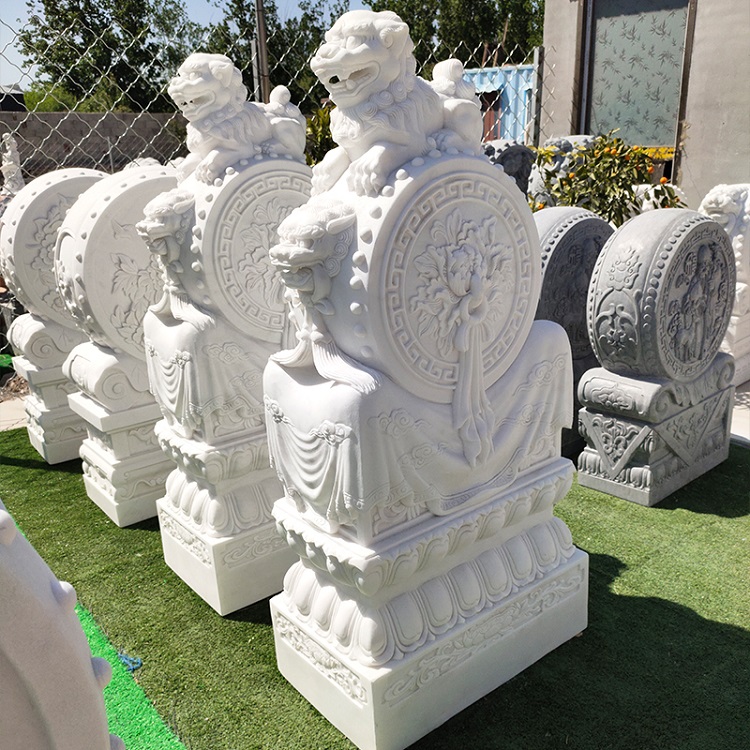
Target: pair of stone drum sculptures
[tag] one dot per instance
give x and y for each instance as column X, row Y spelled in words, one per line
column 382, row 334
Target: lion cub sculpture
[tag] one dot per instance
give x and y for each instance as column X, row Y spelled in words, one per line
column 385, row 114
column 223, row 127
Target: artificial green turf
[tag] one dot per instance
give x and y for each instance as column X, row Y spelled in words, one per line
column 664, row 663
column 130, row 714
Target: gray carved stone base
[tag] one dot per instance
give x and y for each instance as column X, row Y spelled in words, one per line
column 123, row 469
column 55, row 432
column 646, row 438
column 228, row 572
column 376, row 706
column 572, row 443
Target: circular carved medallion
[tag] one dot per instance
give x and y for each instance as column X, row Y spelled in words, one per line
column 661, row 295
column 106, row 274
column 239, row 218
column 29, row 233
column 448, row 264
column 571, row 240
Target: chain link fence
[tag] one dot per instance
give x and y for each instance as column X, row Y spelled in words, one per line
column 122, row 113
column 105, row 103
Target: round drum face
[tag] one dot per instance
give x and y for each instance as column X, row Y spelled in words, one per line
column 29, row 235
column 571, row 240
column 107, row 275
column 661, row 296
column 241, row 217
column 454, row 265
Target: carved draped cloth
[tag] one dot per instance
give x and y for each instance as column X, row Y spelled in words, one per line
column 346, row 457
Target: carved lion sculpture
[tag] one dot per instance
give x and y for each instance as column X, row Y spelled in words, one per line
column 223, row 127
column 385, row 114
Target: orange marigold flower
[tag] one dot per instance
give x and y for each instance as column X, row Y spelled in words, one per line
column 539, row 206
column 650, row 169
column 663, row 180
column 571, row 175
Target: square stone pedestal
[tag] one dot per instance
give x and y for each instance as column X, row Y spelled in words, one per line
column 390, row 641
column 391, row 707
column 55, row 431
column 123, row 469
column 646, row 438
column 229, row 572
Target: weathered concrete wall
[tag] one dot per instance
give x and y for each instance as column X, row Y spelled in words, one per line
column 715, row 144
column 563, row 47
column 105, row 141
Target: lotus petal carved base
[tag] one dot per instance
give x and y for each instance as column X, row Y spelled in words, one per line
column 227, row 572
column 390, row 707
column 123, row 469
column 633, row 454
column 390, row 640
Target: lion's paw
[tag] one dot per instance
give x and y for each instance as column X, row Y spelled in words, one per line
column 204, row 172
column 367, row 175
column 326, row 173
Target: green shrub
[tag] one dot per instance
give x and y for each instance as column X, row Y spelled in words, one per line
column 319, row 139
column 603, row 178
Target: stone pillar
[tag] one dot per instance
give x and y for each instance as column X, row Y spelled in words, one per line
column 107, row 279
column 729, row 206
column 571, row 240
column 657, row 412
column 220, row 317
column 46, row 334
column 416, row 424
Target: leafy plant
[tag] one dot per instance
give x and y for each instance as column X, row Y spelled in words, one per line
column 319, row 138
column 604, row 178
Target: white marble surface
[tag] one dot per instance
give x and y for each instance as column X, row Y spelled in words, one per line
column 51, row 687
column 415, row 423
column 219, row 318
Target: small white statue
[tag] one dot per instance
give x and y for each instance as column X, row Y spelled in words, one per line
column 729, row 206
column 13, row 180
column 223, row 127
column 385, row 114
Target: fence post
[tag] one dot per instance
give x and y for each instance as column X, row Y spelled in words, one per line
column 257, row 97
column 536, row 95
column 262, row 40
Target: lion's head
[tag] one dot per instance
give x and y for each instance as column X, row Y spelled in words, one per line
column 364, row 53
column 206, row 84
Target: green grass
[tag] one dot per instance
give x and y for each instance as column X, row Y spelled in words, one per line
column 664, row 663
column 130, row 714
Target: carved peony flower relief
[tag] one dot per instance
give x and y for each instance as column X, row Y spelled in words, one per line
column 45, row 237
column 254, row 268
column 134, row 287
column 462, row 278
